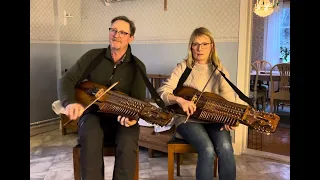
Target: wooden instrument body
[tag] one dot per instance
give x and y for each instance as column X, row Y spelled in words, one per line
column 115, row 102
column 214, row 108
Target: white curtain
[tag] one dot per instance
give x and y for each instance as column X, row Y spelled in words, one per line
column 271, row 50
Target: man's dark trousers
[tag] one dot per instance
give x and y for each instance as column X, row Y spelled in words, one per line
column 97, row 129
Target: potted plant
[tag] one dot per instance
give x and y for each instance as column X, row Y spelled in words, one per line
column 285, row 52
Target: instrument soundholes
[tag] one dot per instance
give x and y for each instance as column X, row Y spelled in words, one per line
column 92, row 91
column 194, row 98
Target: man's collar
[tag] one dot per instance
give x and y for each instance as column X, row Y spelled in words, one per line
column 122, row 59
column 125, row 57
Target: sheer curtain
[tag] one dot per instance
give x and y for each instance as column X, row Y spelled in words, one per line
column 271, row 51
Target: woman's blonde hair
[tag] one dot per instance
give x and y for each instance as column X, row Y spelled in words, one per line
column 213, row 56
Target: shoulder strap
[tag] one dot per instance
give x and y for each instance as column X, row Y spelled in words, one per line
column 182, row 79
column 241, row 95
column 93, row 64
column 151, row 89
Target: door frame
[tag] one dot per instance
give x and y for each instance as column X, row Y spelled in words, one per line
column 243, row 69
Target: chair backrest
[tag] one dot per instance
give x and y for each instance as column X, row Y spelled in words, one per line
column 255, row 85
column 283, row 82
column 262, row 65
column 156, row 81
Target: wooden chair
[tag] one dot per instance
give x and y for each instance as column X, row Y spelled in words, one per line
column 148, row 138
column 263, row 66
column 178, row 146
column 108, row 150
column 155, row 80
column 257, row 94
column 282, row 93
column 71, row 127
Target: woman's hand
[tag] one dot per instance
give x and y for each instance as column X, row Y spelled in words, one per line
column 227, row 127
column 124, row 121
column 187, row 106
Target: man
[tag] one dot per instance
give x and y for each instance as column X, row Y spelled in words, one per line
column 95, row 128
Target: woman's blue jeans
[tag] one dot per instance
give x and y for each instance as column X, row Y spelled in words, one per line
column 207, row 139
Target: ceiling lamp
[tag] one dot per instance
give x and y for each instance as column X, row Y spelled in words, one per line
column 264, row 8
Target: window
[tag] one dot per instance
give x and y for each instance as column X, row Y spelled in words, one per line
column 276, row 47
column 285, row 34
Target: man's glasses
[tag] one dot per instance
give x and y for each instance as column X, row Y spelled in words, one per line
column 203, row 45
column 113, row 32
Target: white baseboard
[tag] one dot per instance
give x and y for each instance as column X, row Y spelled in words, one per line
column 45, row 126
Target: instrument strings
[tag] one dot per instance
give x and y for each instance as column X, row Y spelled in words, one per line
column 202, row 91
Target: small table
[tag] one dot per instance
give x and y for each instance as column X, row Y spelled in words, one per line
column 265, row 76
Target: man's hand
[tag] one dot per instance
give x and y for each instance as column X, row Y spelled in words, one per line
column 228, row 128
column 74, row 111
column 124, row 121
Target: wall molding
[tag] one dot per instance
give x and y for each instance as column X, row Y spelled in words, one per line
column 267, row 155
column 136, row 41
column 44, row 126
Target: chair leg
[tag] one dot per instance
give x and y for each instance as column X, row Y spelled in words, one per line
column 215, row 169
column 76, row 163
column 63, row 131
column 170, row 162
column 151, row 153
column 263, row 104
column 136, row 175
column 178, row 163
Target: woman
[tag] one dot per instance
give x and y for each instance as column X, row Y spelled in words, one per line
column 206, row 138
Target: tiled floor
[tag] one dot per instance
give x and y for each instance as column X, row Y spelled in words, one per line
column 51, row 159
